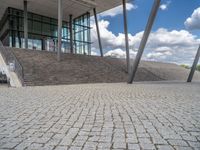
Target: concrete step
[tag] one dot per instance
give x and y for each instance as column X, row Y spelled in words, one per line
column 42, row 68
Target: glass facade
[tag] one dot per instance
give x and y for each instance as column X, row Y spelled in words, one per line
column 82, row 34
column 42, row 32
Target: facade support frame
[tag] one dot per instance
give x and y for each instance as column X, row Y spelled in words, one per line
column 126, row 36
column 196, row 60
column 145, row 37
column 98, row 32
column 71, row 33
column 59, row 30
column 26, row 23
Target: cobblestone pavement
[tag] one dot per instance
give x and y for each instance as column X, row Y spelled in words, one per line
column 101, row 116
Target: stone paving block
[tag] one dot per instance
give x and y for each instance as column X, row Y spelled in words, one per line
column 183, row 148
column 66, row 141
column 104, row 145
column 132, row 140
column 177, row 143
column 78, row 143
column 159, row 141
column 35, row 146
column 61, row 148
column 48, row 147
column 9, row 145
column 189, row 138
column 164, row 147
column 75, row 148
column 101, row 116
column 194, row 144
column 145, row 140
column 119, row 145
column 133, row 146
column 91, row 144
column 147, row 146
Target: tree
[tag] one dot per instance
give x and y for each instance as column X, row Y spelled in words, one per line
column 198, row 67
column 185, row 66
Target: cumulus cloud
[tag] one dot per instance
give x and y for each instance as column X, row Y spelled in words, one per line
column 110, row 41
column 119, row 53
column 165, row 5
column 176, row 46
column 193, row 22
column 94, row 53
column 118, row 10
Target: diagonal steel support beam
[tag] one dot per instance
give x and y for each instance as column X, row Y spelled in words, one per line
column 98, row 32
column 196, row 60
column 126, row 36
column 144, row 39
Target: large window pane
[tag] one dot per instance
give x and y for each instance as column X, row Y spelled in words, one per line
column 41, row 27
column 37, row 27
column 46, row 29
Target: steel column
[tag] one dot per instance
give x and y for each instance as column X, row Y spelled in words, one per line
column 18, row 32
column 59, row 29
column 144, row 39
column 126, row 36
column 98, row 32
column 71, row 33
column 43, row 43
column 196, row 60
column 26, row 23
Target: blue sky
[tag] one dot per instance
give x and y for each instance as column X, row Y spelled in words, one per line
column 176, row 22
column 172, row 18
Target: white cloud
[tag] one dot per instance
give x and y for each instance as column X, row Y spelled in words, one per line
column 94, row 53
column 119, row 53
column 165, row 5
column 193, row 22
column 161, row 55
column 172, row 46
column 110, row 40
column 178, row 46
column 118, row 10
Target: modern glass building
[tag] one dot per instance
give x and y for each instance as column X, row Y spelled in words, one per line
column 61, row 26
column 43, row 33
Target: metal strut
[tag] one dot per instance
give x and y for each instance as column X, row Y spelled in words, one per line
column 98, row 32
column 196, row 60
column 145, row 37
column 126, row 36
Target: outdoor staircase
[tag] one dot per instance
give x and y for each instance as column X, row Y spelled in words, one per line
column 42, row 68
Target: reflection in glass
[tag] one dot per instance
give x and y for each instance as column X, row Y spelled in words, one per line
column 42, row 32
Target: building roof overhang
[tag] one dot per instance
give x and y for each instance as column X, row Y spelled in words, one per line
column 49, row 7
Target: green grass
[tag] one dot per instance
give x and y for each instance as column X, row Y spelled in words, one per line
column 188, row 67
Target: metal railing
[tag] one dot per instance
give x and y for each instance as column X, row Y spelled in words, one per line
column 11, row 60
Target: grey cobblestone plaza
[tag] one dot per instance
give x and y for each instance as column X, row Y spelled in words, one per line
column 101, row 116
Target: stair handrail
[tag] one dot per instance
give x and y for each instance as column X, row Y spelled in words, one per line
column 9, row 59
